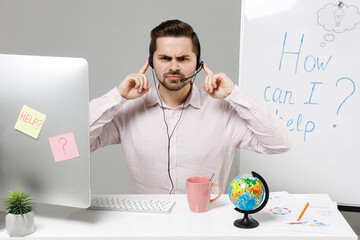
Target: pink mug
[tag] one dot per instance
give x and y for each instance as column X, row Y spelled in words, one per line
column 198, row 191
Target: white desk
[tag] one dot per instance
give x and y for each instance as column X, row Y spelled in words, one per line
column 217, row 223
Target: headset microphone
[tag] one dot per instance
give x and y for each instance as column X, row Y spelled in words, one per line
column 201, row 67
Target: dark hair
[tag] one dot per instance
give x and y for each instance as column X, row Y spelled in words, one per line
column 174, row 28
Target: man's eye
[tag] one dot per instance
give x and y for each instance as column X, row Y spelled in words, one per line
column 183, row 59
column 165, row 58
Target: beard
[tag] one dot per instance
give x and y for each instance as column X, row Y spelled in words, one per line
column 173, row 85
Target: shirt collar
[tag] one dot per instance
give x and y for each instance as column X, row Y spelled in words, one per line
column 194, row 99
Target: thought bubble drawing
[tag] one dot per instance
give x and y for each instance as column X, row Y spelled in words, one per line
column 338, row 18
column 329, row 37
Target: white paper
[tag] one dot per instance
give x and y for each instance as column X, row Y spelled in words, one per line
column 283, row 210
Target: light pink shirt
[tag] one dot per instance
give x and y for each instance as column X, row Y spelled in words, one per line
column 203, row 142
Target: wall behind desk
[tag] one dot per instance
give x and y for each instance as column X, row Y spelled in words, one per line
column 302, row 57
column 114, row 36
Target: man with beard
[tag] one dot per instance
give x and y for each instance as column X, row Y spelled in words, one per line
column 174, row 130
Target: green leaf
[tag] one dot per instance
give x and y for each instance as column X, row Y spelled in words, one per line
column 19, row 203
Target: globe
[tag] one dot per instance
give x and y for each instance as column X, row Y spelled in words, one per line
column 246, row 192
column 249, row 193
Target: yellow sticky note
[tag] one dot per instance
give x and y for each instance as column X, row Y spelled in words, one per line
column 30, row 122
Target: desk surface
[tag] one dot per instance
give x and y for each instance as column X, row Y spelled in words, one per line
column 217, row 223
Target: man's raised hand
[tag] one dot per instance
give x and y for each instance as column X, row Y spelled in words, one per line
column 217, row 85
column 135, row 85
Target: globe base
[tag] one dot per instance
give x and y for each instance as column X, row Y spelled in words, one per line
column 246, row 222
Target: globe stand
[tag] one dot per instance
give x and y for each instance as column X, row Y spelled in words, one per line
column 246, row 222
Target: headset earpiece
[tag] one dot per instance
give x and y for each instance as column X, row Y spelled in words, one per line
column 151, row 56
column 199, row 63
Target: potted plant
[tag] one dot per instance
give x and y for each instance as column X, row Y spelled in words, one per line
column 20, row 210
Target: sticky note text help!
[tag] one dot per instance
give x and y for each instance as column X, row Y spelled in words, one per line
column 30, row 122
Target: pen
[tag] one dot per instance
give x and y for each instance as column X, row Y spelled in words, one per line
column 302, row 213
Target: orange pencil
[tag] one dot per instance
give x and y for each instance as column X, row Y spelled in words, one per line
column 302, row 213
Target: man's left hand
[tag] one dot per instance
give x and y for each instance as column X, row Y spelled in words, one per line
column 217, row 85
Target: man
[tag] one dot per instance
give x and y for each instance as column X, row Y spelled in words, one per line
column 174, row 130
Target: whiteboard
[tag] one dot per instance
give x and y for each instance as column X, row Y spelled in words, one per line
column 302, row 57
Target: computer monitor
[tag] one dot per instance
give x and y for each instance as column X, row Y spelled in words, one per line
column 57, row 87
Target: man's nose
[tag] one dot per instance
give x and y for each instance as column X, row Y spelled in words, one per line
column 174, row 64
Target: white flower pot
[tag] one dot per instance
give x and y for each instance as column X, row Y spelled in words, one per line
column 20, row 226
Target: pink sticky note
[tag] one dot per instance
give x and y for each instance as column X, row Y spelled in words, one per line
column 64, row 147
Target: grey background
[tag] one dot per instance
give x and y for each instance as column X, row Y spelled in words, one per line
column 113, row 35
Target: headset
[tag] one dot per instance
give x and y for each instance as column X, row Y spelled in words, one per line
column 199, row 63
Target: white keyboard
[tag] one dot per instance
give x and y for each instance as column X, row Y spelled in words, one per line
column 121, row 203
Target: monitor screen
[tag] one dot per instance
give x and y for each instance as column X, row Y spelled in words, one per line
column 44, row 129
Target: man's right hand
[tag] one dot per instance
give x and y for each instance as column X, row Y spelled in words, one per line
column 135, row 85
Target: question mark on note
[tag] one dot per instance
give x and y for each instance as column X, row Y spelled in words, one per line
column 65, row 142
column 40, row 123
column 342, row 103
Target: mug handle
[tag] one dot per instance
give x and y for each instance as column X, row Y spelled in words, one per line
column 220, row 192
